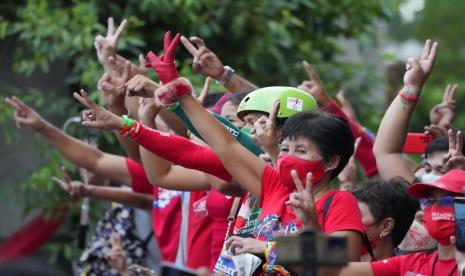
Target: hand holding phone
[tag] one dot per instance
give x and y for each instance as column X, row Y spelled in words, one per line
column 459, row 210
column 416, row 143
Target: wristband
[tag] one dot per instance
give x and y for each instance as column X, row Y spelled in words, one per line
column 270, row 266
column 130, row 129
column 135, row 133
column 127, row 121
column 227, row 77
column 173, row 107
column 408, row 98
column 124, row 130
column 270, row 246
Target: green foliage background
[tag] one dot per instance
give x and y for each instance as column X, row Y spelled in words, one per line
column 265, row 41
column 440, row 21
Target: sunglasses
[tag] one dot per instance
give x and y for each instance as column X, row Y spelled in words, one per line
column 442, row 201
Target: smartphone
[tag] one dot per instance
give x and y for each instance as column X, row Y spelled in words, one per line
column 169, row 269
column 415, row 143
column 459, row 210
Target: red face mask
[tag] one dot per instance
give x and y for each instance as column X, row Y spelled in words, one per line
column 287, row 163
column 365, row 239
column 364, row 249
column 439, row 222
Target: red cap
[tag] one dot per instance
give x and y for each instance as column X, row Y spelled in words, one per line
column 453, row 181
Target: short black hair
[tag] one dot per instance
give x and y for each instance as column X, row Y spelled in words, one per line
column 440, row 144
column 389, row 199
column 331, row 135
column 211, row 99
column 237, row 97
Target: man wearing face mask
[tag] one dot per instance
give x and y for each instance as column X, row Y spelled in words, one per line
column 433, row 162
column 387, row 212
column 436, row 199
column 417, row 238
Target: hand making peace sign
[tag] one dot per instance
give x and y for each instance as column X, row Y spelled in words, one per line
column 454, row 159
column 205, row 61
column 97, row 116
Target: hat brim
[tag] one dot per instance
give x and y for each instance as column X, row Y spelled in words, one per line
column 420, row 190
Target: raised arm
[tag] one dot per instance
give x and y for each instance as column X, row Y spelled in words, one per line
column 78, row 190
column 170, row 147
column 161, row 172
column 77, row 152
column 195, row 167
column 113, row 94
column 315, row 87
column 166, row 70
column 207, row 63
column 394, row 126
column 142, row 86
column 250, row 167
column 244, row 166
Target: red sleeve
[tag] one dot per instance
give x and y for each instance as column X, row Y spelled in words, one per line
column 139, row 181
column 343, row 214
column 182, row 151
column 365, row 150
column 391, row 266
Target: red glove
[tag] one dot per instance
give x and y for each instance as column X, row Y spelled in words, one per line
column 164, row 65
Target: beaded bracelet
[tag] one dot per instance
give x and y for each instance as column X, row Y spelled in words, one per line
column 270, row 256
column 270, row 246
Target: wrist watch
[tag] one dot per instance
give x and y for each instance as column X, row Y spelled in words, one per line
column 226, row 77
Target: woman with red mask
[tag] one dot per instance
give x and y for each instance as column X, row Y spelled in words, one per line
column 436, row 199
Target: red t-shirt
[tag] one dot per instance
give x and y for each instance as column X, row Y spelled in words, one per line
column 166, row 211
column 199, row 235
column 413, row 265
column 218, row 207
column 279, row 218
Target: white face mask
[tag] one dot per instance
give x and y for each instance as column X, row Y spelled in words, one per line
column 417, row 239
column 429, row 177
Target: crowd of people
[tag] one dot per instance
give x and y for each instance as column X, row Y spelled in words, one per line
column 225, row 174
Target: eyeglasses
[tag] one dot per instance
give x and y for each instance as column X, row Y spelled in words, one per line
column 442, row 201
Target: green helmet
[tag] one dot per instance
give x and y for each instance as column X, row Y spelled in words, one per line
column 292, row 101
